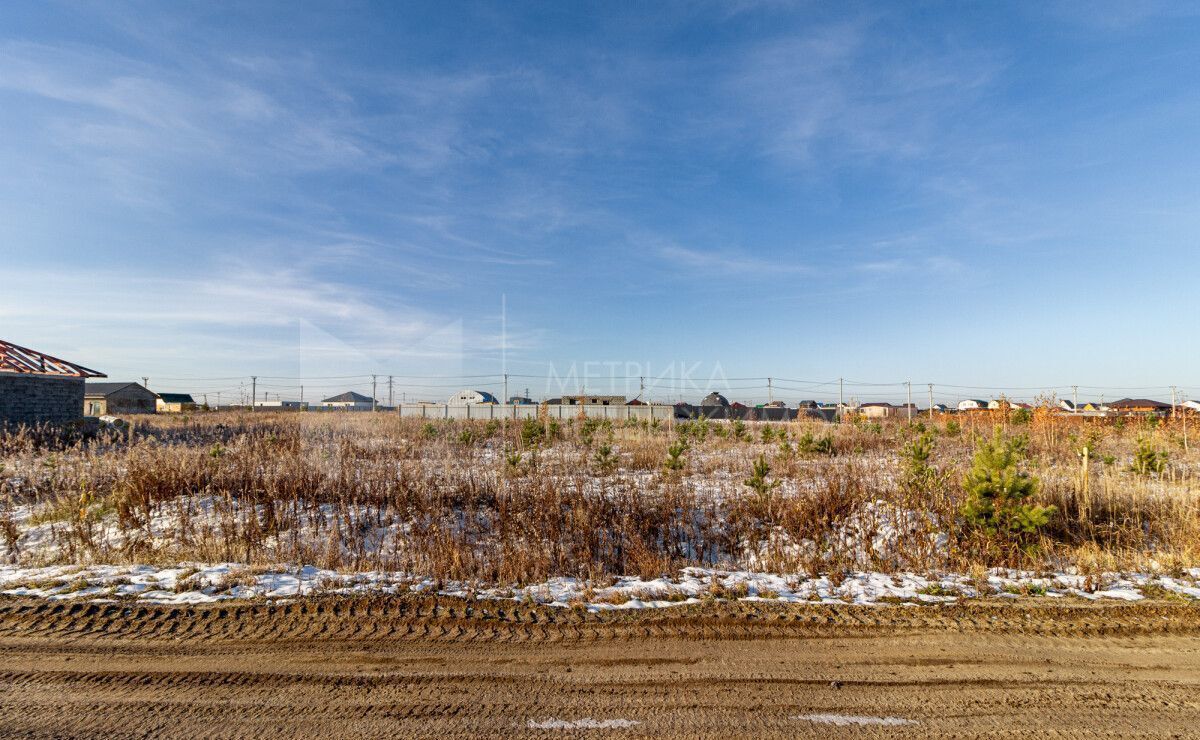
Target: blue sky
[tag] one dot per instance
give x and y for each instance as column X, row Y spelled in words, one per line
column 988, row 194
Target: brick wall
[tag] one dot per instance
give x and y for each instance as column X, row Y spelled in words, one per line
column 33, row 399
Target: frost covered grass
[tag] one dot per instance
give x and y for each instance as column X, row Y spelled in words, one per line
column 603, row 513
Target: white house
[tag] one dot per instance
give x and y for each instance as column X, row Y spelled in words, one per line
column 470, row 398
column 285, row 405
column 972, row 404
column 1193, row 405
column 349, row 401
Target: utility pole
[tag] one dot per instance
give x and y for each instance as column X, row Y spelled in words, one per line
column 218, row 400
column 391, row 395
column 505, row 399
column 145, row 382
column 253, row 390
column 841, row 400
column 301, row 395
column 641, row 388
column 1185, row 438
column 1075, row 398
column 931, row 401
column 908, row 385
column 374, row 403
column 1172, row 402
column 770, row 392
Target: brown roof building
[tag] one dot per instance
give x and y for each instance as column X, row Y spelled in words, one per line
column 1143, row 406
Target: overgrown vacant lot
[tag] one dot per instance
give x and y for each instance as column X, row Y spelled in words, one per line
column 480, row 505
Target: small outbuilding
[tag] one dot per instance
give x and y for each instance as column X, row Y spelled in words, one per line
column 175, row 403
column 878, row 410
column 36, row 388
column 117, row 398
column 884, row 410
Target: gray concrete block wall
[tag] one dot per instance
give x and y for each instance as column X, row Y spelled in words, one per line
column 37, row 399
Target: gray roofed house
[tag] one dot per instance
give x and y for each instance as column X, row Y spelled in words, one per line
column 349, row 400
column 102, row 398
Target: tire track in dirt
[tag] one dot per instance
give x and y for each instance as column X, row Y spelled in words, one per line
column 447, row 619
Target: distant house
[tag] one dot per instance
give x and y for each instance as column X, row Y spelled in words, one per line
column 36, row 388
column 941, row 408
column 1083, row 409
column 349, row 401
column 636, row 402
column 470, row 398
column 587, row 400
column 1191, row 406
column 100, row 399
column 1140, row 407
column 876, row 410
column 1004, row 403
column 520, row 401
column 174, row 403
column 882, row 410
column 972, row 404
column 283, row 405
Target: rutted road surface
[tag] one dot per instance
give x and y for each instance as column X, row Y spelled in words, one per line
column 442, row 668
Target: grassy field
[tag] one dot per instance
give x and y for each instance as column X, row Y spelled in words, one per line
column 481, row 502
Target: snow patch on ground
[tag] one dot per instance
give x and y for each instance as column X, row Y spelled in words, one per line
column 846, row 720
column 196, row 583
column 587, row 723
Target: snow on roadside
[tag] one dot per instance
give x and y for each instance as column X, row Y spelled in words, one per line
column 195, row 583
column 587, row 723
column 846, row 720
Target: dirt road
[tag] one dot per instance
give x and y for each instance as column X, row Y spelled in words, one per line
column 442, row 668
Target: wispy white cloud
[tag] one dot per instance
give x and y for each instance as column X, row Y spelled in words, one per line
column 846, row 90
column 726, row 263
column 939, row 266
column 239, row 316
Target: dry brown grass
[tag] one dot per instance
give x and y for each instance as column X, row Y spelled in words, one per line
column 322, row 488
